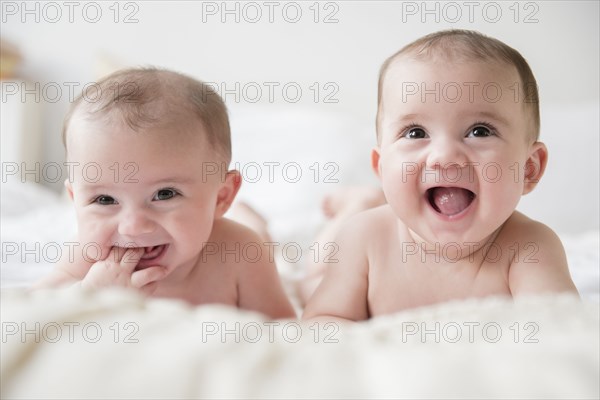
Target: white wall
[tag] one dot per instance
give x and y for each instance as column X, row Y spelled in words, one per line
column 561, row 43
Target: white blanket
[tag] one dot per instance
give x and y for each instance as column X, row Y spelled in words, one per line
column 115, row 344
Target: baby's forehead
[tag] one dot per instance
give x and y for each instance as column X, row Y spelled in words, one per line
column 451, row 80
column 447, row 64
column 85, row 128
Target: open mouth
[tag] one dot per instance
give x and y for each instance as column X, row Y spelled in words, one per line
column 151, row 256
column 449, row 201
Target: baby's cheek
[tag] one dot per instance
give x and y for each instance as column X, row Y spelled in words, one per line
column 508, row 181
column 94, row 239
column 397, row 180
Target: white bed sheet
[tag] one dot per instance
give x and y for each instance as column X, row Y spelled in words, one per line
column 123, row 346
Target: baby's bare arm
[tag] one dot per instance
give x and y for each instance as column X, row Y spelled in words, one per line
column 258, row 284
column 71, row 268
column 260, row 289
column 342, row 294
column 56, row 278
column 543, row 267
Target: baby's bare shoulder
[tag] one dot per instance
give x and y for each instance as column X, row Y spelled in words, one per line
column 251, row 262
column 539, row 263
column 228, row 231
column 372, row 223
column 242, row 249
column 232, row 245
column 524, row 230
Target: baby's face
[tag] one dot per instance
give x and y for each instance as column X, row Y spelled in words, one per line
column 454, row 148
column 153, row 189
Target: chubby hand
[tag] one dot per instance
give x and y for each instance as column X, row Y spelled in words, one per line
column 118, row 269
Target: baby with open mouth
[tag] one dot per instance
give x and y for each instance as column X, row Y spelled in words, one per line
column 450, row 201
column 457, row 146
column 151, row 150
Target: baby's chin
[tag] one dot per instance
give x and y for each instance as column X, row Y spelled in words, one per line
column 452, row 240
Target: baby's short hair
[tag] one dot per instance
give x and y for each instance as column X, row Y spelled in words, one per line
column 464, row 44
column 148, row 97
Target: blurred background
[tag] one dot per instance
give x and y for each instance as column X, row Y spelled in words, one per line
column 300, row 82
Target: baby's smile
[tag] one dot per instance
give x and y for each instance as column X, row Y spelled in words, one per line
column 449, row 201
column 152, row 255
column 152, row 252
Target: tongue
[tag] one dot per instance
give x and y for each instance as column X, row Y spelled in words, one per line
column 151, row 252
column 450, row 201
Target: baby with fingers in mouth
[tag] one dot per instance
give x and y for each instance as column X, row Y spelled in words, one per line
column 151, row 150
column 457, row 146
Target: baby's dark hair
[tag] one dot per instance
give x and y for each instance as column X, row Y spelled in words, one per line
column 469, row 45
column 149, row 97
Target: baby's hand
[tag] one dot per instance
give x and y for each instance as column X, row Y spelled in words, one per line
column 118, row 269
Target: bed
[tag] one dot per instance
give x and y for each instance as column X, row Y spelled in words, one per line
column 116, row 344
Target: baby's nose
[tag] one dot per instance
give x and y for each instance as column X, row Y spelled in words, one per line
column 446, row 154
column 136, row 223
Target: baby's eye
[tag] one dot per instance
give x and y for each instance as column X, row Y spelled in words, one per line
column 165, row 194
column 480, row 131
column 104, row 200
column 415, row 133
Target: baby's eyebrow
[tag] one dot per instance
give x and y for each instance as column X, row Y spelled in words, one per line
column 406, row 118
column 182, row 180
column 493, row 116
column 86, row 185
column 173, row 179
column 409, row 117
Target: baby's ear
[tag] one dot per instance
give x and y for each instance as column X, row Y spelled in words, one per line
column 375, row 157
column 535, row 166
column 69, row 188
column 227, row 192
